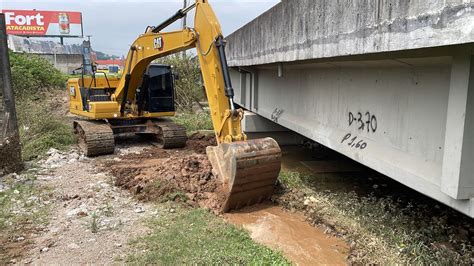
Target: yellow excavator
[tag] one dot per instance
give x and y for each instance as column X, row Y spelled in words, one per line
column 143, row 97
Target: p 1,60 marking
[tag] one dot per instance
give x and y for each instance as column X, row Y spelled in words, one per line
column 354, row 141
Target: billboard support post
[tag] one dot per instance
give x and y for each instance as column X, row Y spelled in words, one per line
column 10, row 150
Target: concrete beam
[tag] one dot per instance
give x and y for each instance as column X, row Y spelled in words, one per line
column 306, row 29
column 457, row 179
column 256, row 126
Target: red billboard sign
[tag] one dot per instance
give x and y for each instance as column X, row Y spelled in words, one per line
column 43, row 23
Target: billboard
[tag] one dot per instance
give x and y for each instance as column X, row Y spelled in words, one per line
column 43, row 23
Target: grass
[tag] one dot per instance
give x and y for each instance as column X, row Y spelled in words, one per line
column 381, row 229
column 292, row 180
column 41, row 128
column 194, row 122
column 197, row 237
column 22, row 211
column 94, row 223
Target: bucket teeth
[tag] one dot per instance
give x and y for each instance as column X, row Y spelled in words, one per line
column 248, row 170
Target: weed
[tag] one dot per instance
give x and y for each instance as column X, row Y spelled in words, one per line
column 94, row 223
column 176, row 196
column 382, row 229
column 194, row 122
column 195, row 236
column 107, row 210
column 291, row 179
column 41, row 129
column 33, row 80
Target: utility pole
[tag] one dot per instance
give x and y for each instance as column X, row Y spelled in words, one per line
column 184, row 22
column 10, row 150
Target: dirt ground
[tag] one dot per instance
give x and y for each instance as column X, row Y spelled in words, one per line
column 98, row 205
column 183, row 174
column 91, row 219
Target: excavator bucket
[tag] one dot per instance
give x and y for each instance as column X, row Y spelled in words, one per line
column 248, row 170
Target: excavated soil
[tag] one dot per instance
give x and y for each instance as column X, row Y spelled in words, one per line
column 198, row 142
column 180, row 175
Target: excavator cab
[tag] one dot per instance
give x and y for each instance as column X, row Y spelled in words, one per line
column 160, row 91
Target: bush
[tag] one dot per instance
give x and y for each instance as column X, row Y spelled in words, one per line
column 40, row 127
column 194, row 122
column 32, row 74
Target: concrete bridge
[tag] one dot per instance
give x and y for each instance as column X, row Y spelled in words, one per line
column 388, row 83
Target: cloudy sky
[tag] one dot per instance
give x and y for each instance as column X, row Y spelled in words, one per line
column 115, row 24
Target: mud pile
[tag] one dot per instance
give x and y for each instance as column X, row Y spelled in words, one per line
column 179, row 175
column 198, row 142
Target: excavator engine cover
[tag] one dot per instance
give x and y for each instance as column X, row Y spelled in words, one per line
column 248, row 170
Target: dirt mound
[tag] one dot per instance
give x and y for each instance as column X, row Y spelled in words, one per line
column 198, row 142
column 180, row 176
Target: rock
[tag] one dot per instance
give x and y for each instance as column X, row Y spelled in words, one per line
column 20, row 238
column 80, row 211
column 52, row 151
column 81, row 214
column 104, row 223
column 73, row 246
column 306, row 202
column 139, row 209
column 54, row 229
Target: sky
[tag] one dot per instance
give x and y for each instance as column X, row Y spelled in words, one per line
column 114, row 25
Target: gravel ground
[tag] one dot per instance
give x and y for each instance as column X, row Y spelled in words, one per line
column 91, row 221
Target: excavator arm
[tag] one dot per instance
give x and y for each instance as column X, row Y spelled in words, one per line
column 248, row 169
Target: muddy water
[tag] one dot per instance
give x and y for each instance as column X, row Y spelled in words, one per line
column 300, row 242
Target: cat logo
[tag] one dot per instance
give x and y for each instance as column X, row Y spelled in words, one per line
column 158, row 43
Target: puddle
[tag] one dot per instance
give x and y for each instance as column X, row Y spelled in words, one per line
column 301, row 243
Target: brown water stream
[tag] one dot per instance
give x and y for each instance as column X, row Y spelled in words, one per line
column 300, row 242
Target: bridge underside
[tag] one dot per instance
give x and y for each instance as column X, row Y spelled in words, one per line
column 387, row 83
column 407, row 115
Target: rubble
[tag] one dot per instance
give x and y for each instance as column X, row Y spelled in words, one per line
column 56, row 158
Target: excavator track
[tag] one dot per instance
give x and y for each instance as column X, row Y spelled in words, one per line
column 248, row 170
column 95, row 137
column 171, row 135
